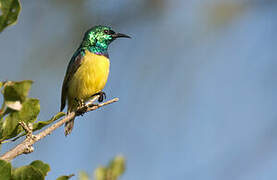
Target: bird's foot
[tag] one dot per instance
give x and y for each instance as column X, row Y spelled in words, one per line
column 102, row 96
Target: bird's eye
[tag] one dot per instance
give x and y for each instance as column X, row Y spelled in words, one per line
column 111, row 32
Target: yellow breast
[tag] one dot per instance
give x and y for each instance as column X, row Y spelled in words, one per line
column 90, row 78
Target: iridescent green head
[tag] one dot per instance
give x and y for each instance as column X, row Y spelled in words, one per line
column 98, row 38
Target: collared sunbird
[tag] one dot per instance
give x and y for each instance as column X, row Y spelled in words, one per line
column 88, row 70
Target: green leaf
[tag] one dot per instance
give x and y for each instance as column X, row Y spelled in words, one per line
column 27, row 173
column 37, row 170
column 1, row 84
column 41, row 124
column 65, row 177
column 9, row 12
column 83, row 175
column 117, row 166
column 5, row 170
column 28, row 114
column 16, row 91
column 43, row 167
column 115, row 169
column 100, row 173
column 14, row 105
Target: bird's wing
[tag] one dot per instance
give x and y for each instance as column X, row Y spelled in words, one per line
column 73, row 65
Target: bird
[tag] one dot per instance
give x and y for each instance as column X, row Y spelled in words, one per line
column 88, row 70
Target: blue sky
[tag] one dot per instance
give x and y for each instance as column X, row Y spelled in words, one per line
column 196, row 85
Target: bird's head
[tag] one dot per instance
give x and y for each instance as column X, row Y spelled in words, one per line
column 98, row 38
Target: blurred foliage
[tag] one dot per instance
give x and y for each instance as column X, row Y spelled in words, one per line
column 9, row 13
column 113, row 171
column 65, row 177
column 224, row 12
column 5, row 170
column 83, row 176
column 37, row 170
column 17, row 106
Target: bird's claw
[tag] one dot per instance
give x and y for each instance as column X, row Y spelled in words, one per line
column 102, row 96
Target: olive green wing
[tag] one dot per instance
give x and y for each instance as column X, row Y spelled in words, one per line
column 73, row 66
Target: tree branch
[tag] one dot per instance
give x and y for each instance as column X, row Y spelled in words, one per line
column 26, row 146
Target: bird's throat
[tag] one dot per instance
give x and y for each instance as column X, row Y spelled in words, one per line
column 99, row 50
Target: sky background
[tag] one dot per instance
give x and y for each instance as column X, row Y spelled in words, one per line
column 197, row 86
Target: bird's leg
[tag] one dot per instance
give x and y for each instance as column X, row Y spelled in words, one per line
column 102, row 96
column 80, row 104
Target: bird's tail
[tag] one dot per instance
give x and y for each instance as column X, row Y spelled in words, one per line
column 72, row 106
column 68, row 127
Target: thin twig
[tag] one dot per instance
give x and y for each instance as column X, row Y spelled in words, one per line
column 27, row 128
column 26, row 146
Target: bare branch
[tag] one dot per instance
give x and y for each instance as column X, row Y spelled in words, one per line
column 26, row 146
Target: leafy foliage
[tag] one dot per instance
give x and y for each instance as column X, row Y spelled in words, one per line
column 42, row 167
column 9, row 12
column 37, row 170
column 17, row 106
column 28, row 114
column 27, row 173
column 83, row 175
column 16, row 91
column 39, row 125
column 113, row 171
column 5, row 170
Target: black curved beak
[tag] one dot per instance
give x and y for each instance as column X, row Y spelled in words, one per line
column 120, row 35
